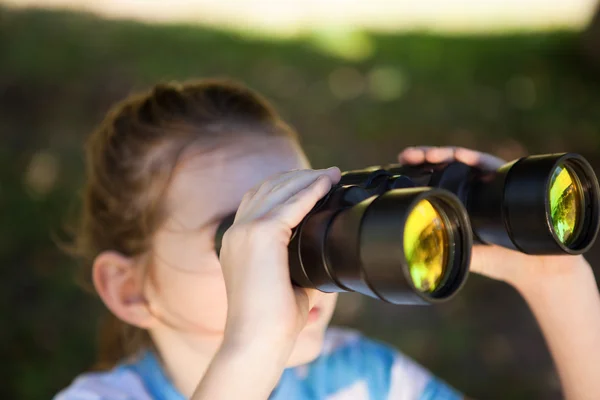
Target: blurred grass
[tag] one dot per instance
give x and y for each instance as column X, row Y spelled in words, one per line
column 60, row 71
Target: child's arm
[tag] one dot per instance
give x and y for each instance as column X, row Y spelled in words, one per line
column 567, row 308
column 242, row 372
column 561, row 290
column 265, row 312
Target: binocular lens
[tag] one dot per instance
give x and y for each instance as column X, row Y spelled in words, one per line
column 566, row 204
column 426, row 239
column 541, row 204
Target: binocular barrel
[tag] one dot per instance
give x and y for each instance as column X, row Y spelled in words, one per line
column 403, row 234
column 543, row 204
column 408, row 246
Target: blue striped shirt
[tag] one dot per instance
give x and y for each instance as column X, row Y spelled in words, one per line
column 350, row 367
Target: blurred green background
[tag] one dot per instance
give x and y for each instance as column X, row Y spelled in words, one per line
column 356, row 98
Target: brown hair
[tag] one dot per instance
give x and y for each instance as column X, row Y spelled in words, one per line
column 130, row 158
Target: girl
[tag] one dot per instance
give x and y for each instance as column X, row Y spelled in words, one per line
column 163, row 169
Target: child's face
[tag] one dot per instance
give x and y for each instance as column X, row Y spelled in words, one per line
column 186, row 288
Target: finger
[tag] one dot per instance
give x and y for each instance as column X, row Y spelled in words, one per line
column 255, row 196
column 332, row 172
column 258, row 191
column 436, row 155
column 478, row 159
column 301, row 181
column 246, row 200
column 413, row 155
column 295, row 208
column 266, row 186
column 262, row 187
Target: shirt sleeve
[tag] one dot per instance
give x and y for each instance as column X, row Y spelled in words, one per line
column 118, row 384
column 353, row 365
column 410, row 381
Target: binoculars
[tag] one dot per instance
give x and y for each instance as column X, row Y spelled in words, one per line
column 404, row 234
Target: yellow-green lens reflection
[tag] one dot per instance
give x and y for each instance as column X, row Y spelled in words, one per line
column 426, row 246
column 565, row 203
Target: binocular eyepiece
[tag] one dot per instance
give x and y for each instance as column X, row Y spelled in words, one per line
column 403, row 234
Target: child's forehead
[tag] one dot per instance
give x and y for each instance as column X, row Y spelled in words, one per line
column 210, row 181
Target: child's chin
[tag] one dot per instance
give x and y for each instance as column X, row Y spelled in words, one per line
column 308, row 348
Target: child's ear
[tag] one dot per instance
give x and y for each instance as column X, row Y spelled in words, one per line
column 119, row 281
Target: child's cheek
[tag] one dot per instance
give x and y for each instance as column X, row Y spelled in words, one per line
column 195, row 301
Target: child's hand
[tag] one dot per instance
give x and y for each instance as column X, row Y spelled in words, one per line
column 560, row 290
column 264, row 309
column 265, row 313
column 520, row 270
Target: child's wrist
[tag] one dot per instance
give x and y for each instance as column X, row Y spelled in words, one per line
column 270, row 351
column 557, row 275
column 256, row 369
column 259, row 355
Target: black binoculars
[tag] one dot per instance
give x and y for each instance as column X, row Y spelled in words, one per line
column 403, row 234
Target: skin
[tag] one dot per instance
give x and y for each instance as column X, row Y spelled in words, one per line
column 560, row 290
column 179, row 292
column 212, row 319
